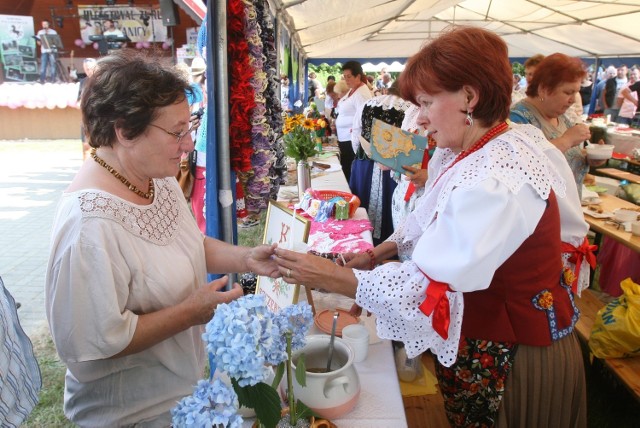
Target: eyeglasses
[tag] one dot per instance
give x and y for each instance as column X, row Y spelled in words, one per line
column 179, row 135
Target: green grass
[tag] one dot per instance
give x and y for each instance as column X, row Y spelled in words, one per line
column 48, row 412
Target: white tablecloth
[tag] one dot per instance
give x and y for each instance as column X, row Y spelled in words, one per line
column 380, row 404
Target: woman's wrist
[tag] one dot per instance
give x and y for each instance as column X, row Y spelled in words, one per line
column 372, row 258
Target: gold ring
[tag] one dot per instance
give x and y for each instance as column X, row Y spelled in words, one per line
column 288, row 273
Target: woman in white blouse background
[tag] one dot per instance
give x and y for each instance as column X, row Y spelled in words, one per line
column 348, row 107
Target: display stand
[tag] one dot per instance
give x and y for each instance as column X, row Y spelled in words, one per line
column 54, row 43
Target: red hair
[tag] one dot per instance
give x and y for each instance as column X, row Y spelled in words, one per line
column 463, row 56
column 555, row 70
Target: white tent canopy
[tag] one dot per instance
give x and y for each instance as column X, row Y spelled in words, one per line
column 398, row 28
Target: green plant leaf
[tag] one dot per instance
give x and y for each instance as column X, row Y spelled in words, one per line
column 279, row 374
column 304, row 412
column 301, row 371
column 262, row 398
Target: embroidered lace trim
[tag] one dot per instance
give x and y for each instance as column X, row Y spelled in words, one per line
column 514, row 158
column 388, row 102
column 156, row 223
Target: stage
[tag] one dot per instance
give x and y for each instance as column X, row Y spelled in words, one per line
column 37, row 111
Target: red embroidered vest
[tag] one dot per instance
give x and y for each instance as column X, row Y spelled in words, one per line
column 516, row 307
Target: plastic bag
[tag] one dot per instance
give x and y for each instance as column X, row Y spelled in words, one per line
column 616, row 330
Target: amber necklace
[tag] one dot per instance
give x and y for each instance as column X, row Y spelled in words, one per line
column 116, row 174
column 498, row 129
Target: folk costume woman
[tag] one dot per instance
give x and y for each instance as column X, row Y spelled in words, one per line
column 483, row 286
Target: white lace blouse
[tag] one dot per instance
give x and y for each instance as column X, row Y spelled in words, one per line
column 110, row 261
column 462, row 229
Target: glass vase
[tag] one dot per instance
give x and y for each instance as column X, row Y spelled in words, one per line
column 304, row 178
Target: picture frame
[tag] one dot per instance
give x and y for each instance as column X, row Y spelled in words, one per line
column 290, row 233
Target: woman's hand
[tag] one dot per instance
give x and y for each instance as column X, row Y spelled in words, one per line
column 204, row 301
column 260, row 260
column 315, row 272
column 361, row 261
column 417, row 176
column 572, row 137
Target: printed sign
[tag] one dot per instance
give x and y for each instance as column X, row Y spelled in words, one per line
column 140, row 24
column 18, row 48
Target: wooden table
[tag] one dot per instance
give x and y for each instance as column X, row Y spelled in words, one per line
column 619, row 174
column 610, row 229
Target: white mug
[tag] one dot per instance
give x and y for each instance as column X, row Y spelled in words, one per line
column 357, row 337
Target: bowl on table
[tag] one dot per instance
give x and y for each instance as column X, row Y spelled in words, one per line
column 623, row 215
column 600, row 151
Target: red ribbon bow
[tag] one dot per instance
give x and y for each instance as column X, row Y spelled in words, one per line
column 437, row 303
column 584, row 251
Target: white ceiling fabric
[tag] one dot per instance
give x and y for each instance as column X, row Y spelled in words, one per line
column 398, row 28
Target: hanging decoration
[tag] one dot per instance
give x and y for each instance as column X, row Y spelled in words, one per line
column 256, row 122
column 272, row 97
column 241, row 93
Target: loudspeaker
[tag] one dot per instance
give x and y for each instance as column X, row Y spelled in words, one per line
column 169, row 13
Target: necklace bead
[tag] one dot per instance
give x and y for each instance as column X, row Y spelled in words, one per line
column 116, row 174
column 488, row 136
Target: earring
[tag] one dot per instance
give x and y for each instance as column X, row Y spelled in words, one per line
column 469, row 119
column 541, row 99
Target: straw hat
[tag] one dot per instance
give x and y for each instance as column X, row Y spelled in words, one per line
column 198, row 66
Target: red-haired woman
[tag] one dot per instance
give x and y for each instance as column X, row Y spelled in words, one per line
column 482, row 287
column 552, row 91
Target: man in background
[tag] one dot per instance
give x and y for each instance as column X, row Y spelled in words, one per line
column 47, row 53
column 109, row 29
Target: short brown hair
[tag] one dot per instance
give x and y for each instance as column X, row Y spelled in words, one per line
column 126, row 90
column 533, row 61
column 448, row 63
column 554, row 70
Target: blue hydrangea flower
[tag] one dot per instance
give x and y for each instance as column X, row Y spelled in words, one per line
column 236, row 337
column 294, row 319
column 212, row 404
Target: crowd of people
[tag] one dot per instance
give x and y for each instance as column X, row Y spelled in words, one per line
column 498, row 192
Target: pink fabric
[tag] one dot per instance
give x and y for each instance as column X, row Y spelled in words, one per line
column 197, row 198
column 339, row 236
column 617, row 263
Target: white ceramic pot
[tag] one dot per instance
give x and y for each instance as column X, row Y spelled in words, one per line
column 331, row 394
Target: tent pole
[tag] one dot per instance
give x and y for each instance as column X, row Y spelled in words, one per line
column 223, row 195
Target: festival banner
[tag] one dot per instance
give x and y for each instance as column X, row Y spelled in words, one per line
column 140, row 24
column 18, row 48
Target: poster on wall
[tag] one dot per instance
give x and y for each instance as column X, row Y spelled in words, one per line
column 18, row 48
column 140, row 24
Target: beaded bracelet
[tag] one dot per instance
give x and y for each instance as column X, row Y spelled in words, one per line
column 372, row 263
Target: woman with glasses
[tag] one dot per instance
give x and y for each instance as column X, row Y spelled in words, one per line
column 350, row 104
column 127, row 295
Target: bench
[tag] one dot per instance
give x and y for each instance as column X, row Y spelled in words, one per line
column 627, row 370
